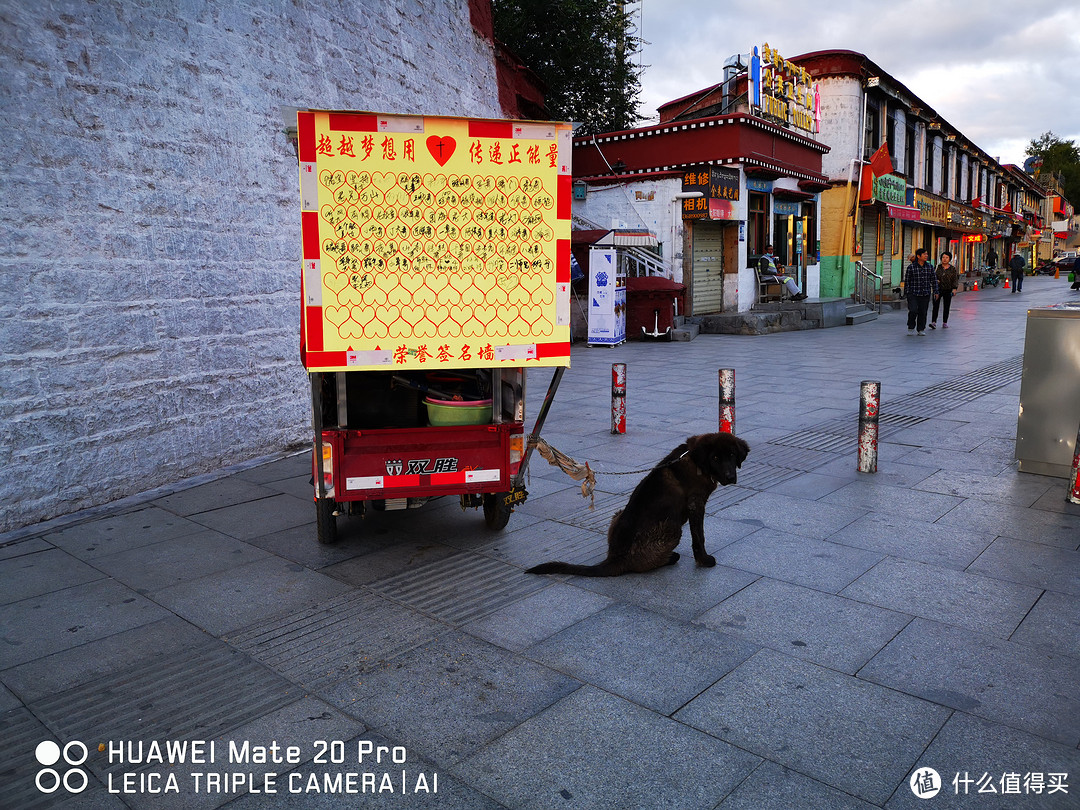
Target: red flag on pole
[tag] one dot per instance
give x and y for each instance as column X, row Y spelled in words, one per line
column 880, row 162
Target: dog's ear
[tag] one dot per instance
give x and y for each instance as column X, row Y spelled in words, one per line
column 742, row 450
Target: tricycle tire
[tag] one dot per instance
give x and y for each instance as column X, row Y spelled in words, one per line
column 326, row 521
column 496, row 512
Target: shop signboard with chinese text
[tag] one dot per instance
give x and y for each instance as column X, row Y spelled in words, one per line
column 433, row 242
column 782, row 91
column 719, row 188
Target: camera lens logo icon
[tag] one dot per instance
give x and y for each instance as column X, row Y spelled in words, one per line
column 74, row 779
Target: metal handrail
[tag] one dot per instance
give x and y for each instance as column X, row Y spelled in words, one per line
column 867, row 287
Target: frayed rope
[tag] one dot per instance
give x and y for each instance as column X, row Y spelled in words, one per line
column 579, row 472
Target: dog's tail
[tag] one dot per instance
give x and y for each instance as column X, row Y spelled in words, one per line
column 604, row 569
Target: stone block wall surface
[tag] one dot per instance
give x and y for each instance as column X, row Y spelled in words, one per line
column 149, row 287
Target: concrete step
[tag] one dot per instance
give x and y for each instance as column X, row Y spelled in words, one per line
column 685, row 332
column 859, row 314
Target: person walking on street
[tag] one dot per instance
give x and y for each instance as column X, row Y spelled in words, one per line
column 1016, row 270
column 991, row 259
column 948, row 280
column 920, row 282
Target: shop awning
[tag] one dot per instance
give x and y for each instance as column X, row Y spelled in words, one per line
column 904, row 212
column 617, row 237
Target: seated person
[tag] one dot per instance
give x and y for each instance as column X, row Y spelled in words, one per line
column 770, row 269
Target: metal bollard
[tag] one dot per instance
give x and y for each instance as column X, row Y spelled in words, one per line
column 727, row 400
column 1074, row 486
column 869, row 407
column 618, row 398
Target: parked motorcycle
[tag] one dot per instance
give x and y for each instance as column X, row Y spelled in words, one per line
column 992, row 277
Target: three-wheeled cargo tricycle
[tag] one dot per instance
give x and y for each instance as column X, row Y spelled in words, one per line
column 436, row 273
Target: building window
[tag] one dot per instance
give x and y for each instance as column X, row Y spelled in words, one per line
column 873, row 129
column 909, row 151
column 945, row 171
column 928, row 164
column 810, row 232
column 757, row 224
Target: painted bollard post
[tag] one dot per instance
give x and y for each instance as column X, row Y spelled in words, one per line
column 1074, row 479
column 618, row 397
column 727, row 400
column 869, row 407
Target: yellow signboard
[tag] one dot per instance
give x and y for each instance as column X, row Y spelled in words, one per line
column 433, row 242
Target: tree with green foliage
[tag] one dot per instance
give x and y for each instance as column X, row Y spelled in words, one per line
column 1062, row 158
column 583, row 51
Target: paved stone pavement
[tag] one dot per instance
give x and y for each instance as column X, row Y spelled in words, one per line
column 858, row 629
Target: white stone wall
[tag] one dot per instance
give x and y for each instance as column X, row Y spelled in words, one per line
column 641, row 204
column 841, row 120
column 149, row 302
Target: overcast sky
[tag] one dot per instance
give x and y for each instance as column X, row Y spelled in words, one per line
column 1002, row 73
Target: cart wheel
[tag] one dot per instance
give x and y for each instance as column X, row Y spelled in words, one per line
column 496, row 512
column 327, row 522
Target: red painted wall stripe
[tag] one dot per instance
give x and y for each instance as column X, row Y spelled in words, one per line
column 491, row 129
column 309, row 231
column 562, row 261
column 305, row 132
column 563, row 191
column 353, row 122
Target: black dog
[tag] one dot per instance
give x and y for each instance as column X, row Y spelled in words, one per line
column 643, row 536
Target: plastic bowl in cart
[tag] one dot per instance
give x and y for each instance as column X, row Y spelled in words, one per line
column 443, row 412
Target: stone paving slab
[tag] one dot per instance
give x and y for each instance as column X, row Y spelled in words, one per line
column 652, row 660
column 985, row 676
column 997, row 758
column 915, row 538
column 529, row 621
column 448, row 698
column 238, row 597
column 953, row 597
column 774, row 787
column 171, row 562
column 122, row 532
column 832, row 631
column 848, row 733
column 593, row 749
column 1034, row 564
column 41, row 572
column 799, row 560
column 1053, row 624
column 51, row 623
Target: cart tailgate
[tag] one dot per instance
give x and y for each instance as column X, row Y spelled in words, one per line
column 422, row 462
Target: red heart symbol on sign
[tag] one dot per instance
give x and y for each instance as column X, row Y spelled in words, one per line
column 441, row 148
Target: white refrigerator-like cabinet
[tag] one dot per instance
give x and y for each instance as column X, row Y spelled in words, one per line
column 607, row 298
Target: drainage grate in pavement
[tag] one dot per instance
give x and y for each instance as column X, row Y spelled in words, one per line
column 199, row 694
column 460, row 588
column 341, row 637
column 20, row 733
column 789, row 457
column 598, row 518
column 824, row 439
column 763, row 476
column 933, row 402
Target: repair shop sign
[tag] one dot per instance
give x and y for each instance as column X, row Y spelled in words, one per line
column 433, row 242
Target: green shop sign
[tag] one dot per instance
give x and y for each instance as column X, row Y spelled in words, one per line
column 890, row 189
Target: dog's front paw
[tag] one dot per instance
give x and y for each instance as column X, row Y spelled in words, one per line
column 706, row 561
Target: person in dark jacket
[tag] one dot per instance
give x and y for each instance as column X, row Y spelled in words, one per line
column 948, row 280
column 920, row 282
column 1076, row 273
column 1016, row 271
